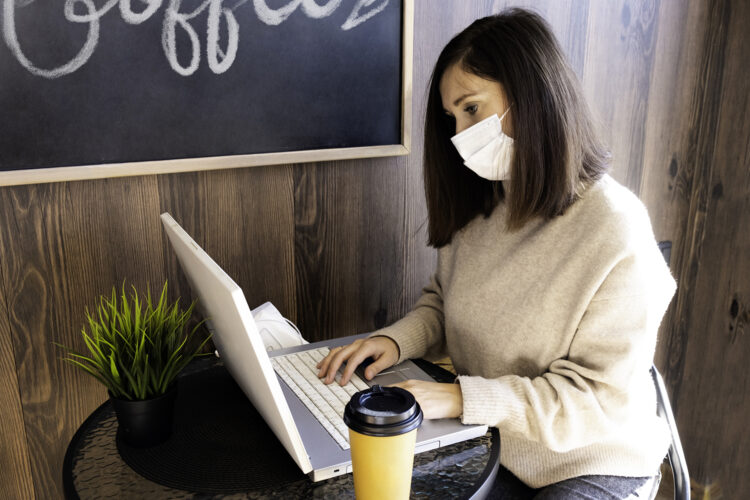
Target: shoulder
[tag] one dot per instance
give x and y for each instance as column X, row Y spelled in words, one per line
column 614, row 216
column 622, row 237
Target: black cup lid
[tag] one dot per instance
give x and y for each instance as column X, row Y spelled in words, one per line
column 383, row 411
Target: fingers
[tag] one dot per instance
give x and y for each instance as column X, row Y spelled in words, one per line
column 336, row 357
column 383, row 350
column 326, row 362
column 323, row 364
column 386, row 355
column 364, row 351
column 378, row 366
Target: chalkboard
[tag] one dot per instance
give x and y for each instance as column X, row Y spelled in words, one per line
column 99, row 88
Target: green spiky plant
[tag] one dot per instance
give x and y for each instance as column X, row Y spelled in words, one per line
column 136, row 348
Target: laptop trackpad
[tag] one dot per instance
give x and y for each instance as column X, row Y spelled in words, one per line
column 387, row 379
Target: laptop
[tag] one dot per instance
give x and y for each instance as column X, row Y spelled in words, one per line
column 313, row 444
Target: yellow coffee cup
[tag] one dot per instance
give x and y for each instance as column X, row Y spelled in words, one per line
column 383, row 423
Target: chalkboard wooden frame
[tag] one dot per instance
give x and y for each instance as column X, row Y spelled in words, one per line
column 126, row 169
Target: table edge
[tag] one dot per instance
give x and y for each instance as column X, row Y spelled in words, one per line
column 67, row 470
column 483, row 485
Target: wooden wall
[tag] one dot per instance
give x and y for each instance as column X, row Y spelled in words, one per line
column 339, row 247
column 706, row 341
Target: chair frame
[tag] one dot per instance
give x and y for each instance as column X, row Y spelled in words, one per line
column 664, row 410
column 675, row 454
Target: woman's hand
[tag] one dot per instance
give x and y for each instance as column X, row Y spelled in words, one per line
column 382, row 349
column 437, row 400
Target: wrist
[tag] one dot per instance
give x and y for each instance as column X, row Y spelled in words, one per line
column 456, row 407
column 459, row 408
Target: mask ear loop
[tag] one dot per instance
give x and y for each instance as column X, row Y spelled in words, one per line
column 506, row 112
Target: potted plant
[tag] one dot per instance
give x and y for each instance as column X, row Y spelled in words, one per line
column 136, row 349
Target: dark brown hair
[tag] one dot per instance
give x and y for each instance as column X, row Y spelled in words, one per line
column 557, row 152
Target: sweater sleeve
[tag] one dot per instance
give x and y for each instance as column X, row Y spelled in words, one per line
column 588, row 395
column 422, row 329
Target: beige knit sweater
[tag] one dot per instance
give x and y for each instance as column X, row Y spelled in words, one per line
column 552, row 330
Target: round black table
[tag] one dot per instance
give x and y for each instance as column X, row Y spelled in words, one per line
column 93, row 467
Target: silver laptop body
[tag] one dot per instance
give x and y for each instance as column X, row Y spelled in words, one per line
column 243, row 353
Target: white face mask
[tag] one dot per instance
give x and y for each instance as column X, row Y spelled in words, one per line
column 486, row 149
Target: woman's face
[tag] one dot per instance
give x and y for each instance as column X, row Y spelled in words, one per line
column 470, row 99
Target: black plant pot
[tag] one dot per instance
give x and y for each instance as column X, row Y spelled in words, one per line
column 146, row 422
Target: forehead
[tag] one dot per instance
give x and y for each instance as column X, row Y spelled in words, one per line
column 456, row 82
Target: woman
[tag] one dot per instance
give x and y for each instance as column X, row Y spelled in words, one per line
column 549, row 287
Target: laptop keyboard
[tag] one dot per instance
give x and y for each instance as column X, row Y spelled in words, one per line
column 325, row 402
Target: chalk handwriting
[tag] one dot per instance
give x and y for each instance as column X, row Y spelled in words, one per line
column 275, row 17
column 219, row 54
column 218, row 60
column 356, row 19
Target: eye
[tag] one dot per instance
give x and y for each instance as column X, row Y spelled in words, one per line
column 471, row 109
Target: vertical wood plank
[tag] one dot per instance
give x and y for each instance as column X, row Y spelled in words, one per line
column 569, row 22
column 243, row 219
column 619, row 61
column 382, row 231
column 668, row 170
column 181, row 195
column 15, row 470
column 328, row 207
column 714, row 310
column 250, row 232
column 65, row 254
column 670, row 162
column 29, row 290
column 696, row 172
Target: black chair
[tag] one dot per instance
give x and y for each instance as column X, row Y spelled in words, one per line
column 664, row 410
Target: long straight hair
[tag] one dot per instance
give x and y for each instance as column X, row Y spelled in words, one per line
column 557, row 152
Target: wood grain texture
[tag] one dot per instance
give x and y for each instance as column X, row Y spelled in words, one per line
column 328, row 209
column 569, row 20
column 243, row 219
column 339, row 246
column 713, row 394
column 697, row 174
column 251, row 233
column 15, row 470
column 61, row 261
column 673, row 169
column 624, row 34
column 667, row 169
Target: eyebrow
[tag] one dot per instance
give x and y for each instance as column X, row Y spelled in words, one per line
column 470, row 94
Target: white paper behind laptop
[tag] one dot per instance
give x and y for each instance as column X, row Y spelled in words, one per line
column 223, row 300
